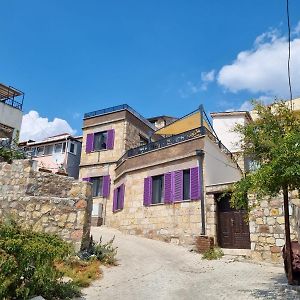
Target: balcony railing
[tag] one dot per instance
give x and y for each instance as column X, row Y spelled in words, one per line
column 13, row 103
column 173, row 140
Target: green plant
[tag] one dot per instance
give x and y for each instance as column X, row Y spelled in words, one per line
column 214, row 253
column 104, row 252
column 27, row 264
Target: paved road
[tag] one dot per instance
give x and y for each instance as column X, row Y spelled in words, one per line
column 156, row 270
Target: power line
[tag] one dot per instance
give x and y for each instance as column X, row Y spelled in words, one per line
column 289, row 56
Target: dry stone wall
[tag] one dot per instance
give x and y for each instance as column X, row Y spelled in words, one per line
column 267, row 232
column 46, row 202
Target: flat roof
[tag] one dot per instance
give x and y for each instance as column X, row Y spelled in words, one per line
column 231, row 113
column 7, row 92
column 117, row 108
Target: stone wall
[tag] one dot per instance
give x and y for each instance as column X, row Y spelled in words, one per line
column 46, row 202
column 267, row 232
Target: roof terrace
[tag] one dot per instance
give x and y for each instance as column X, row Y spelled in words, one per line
column 11, row 96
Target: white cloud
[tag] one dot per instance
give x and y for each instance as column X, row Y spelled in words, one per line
column 192, row 88
column 206, row 78
column 36, row 128
column 263, row 69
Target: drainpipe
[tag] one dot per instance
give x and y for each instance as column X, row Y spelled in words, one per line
column 200, row 156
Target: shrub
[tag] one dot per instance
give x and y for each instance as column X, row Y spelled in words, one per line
column 104, row 252
column 214, row 253
column 27, row 264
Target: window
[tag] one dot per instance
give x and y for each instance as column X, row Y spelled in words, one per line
column 39, row 151
column 173, row 186
column 157, row 189
column 48, row 150
column 57, row 148
column 186, row 184
column 72, row 148
column 64, row 147
column 143, row 141
column 97, row 186
column 118, row 200
column 101, row 185
column 100, row 140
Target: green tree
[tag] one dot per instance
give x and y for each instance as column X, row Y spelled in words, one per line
column 272, row 141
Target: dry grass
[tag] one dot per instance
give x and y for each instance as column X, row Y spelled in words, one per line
column 81, row 272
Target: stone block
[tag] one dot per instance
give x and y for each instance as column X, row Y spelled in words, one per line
column 280, row 242
column 274, row 212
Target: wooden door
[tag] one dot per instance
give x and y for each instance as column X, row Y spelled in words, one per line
column 233, row 231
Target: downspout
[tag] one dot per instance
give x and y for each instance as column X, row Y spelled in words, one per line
column 200, row 156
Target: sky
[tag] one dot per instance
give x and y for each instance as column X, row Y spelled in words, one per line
column 162, row 57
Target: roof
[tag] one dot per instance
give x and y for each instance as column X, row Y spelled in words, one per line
column 113, row 109
column 231, row 113
column 7, row 92
column 49, row 140
column 152, row 119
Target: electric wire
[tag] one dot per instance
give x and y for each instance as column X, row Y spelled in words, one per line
column 289, row 55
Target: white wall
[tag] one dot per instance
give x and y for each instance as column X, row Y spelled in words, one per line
column 223, row 126
column 10, row 116
column 218, row 167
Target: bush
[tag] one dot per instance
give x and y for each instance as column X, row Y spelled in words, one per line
column 27, row 264
column 104, row 252
column 214, row 253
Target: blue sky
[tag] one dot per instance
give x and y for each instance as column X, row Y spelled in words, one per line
column 160, row 57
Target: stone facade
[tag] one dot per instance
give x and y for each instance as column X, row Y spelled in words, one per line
column 46, row 202
column 267, row 231
column 178, row 222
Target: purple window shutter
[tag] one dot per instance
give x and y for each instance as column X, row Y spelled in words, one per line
column 89, row 146
column 178, row 185
column 122, row 195
column 110, row 139
column 106, row 186
column 88, row 179
column 147, row 191
column 114, row 208
column 195, row 184
column 168, row 188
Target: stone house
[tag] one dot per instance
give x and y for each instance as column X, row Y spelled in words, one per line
column 166, row 188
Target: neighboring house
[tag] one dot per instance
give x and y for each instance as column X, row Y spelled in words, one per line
column 11, row 104
column 266, row 219
column 160, row 189
column 161, row 121
column 57, row 153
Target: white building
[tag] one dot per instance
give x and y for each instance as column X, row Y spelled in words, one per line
column 11, row 104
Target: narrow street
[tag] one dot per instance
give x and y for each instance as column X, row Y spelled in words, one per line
column 151, row 269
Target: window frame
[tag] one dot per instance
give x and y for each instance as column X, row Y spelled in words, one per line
column 160, row 192
column 75, row 147
column 101, row 181
column 105, row 140
column 186, row 186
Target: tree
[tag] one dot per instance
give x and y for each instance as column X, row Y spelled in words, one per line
column 272, row 141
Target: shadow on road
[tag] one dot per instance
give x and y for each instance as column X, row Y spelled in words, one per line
column 280, row 290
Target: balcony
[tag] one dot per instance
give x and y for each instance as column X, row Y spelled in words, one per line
column 11, row 96
column 173, row 140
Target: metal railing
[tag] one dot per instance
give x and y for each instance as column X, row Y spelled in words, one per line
column 118, row 108
column 173, row 140
column 12, row 102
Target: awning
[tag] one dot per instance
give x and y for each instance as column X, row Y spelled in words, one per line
column 187, row 123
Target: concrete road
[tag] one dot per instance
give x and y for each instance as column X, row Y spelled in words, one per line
column 156, row 270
